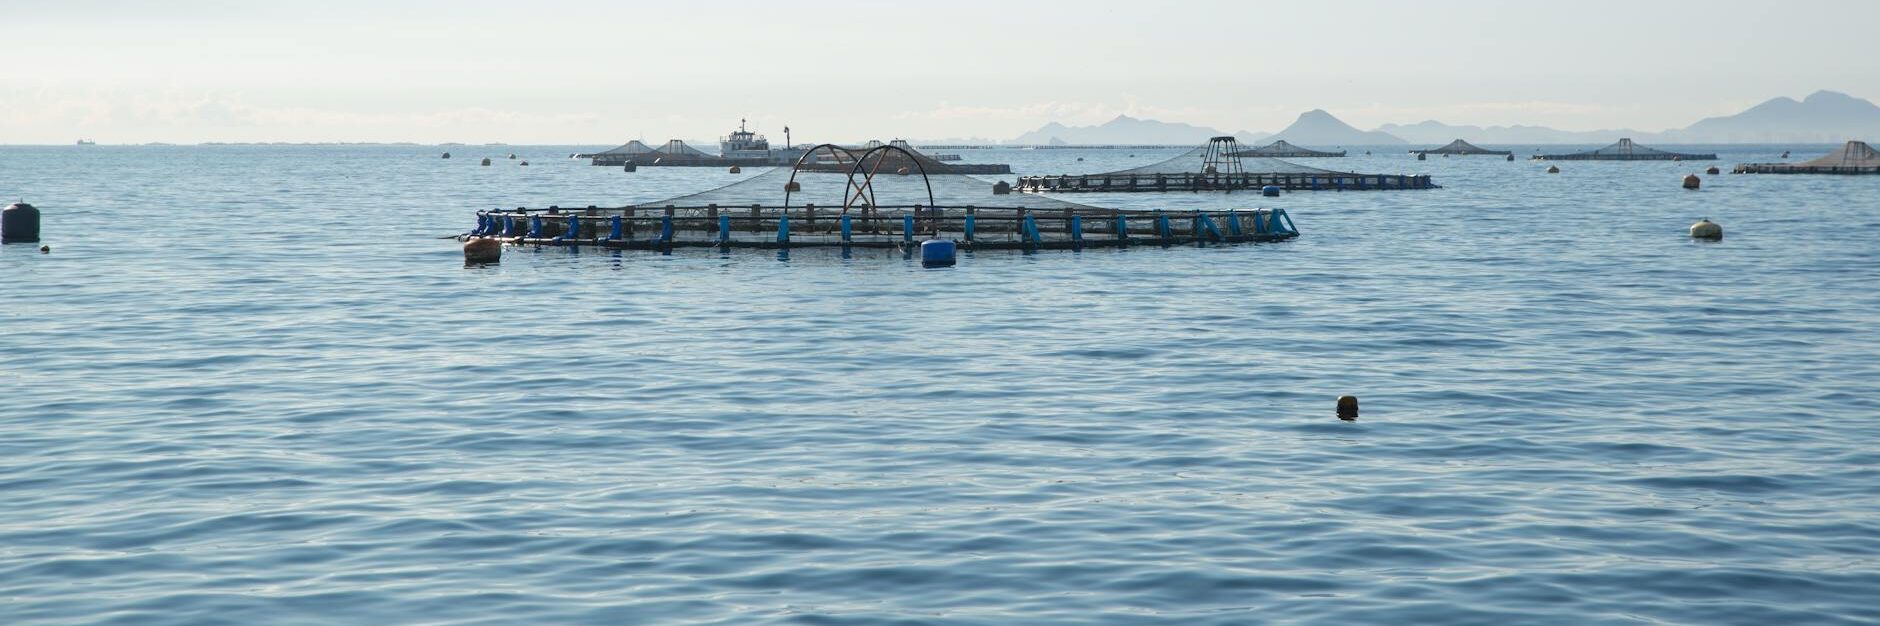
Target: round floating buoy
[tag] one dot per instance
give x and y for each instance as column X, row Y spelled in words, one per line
column 45, row 249
column 19, row 223
column 446, row 156
column 1553, row 169
column 1081, row 158
column 1422, row 157
column 902, row 171
column 486, row 161
column 937, row 253
column 1511, row 157
column 1691, row 181
column 1348, row 408
column 482, row 250
column 1706, row 229
column 793, row 186
column 1785, row 154
column 629, row 168
column 1001, row 188
column 736, row 170
column 525, row 163
column 512, row 156
column 1713, row 171
column 1270, row 191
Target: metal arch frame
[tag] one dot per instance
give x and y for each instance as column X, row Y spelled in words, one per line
column 1222, row 151
column 868, row 182
column 835, row 150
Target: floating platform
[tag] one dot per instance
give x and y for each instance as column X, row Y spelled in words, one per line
column 875, row 203
column 1282, row 149
column 1126, row 183
column 1855, row 158
column 903, row 227
column 1625, row 150
column 1463, row 148
column 677, row 154
column 1219, row 166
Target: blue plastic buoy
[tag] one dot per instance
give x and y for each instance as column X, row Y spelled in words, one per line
column 1270, row 191
column 19, row 223
column 938, row 253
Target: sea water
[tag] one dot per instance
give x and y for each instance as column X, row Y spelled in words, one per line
column 256, row 384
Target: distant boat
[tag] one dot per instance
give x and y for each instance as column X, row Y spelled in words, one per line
column 87, row 142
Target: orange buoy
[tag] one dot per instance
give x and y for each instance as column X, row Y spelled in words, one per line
column 481, row 250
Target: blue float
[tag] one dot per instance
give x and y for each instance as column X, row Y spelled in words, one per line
column 1270, row 191
column 938, row 253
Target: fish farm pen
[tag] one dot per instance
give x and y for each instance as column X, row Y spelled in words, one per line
column 1463, row 148
column 1221, row 166
column 1855, row 158
column 1286, row 150
column 1625, row 150
column 677, row 154
column 877, row 208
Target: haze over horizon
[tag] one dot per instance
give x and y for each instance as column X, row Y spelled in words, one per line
column 557, row 72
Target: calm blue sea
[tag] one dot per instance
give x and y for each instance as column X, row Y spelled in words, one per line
column 252, row 385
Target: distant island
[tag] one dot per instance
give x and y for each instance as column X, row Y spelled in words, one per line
column 1822, row 117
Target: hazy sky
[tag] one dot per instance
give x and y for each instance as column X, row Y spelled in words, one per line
column 530, row 71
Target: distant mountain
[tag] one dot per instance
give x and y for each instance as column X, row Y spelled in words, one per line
column 1316, row 128
column 1124, row 130
column 1437, row 133
column 1822, row 117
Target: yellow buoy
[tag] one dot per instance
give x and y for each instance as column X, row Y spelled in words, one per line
column 1706, row 229
column 1691, row 181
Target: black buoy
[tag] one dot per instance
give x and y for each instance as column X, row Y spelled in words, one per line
column 446, row 155
column 19, row 223
column 1348, row 408
column 45, row 249
column 1001, row 188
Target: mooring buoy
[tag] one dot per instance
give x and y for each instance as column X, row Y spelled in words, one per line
column 938, row 253
column 525, row 164
column 1348, row 408
column 629, row 168
column 1422, row 157
column 902, row 171
column 1553, row 169
column 512, row 156
column 1691, row 181
column 736, row 170
column 1270, row 191
column 793, row 186
column 446, row 155
column 1713, row 171
column 481, row 250
column 1706, row 229
column 1510, row 157
column 1001, row 188
column 45, row 249
column 486, row 161
column 19, row 223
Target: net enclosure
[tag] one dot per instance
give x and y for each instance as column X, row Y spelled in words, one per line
column 677, row 154
column 1625, row 150
column 1461, row 148
column 872, row 202
column 1220, row 166
column 1854, row 158
column 1283, row 149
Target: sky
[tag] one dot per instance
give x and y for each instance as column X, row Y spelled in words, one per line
column 591, row 73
